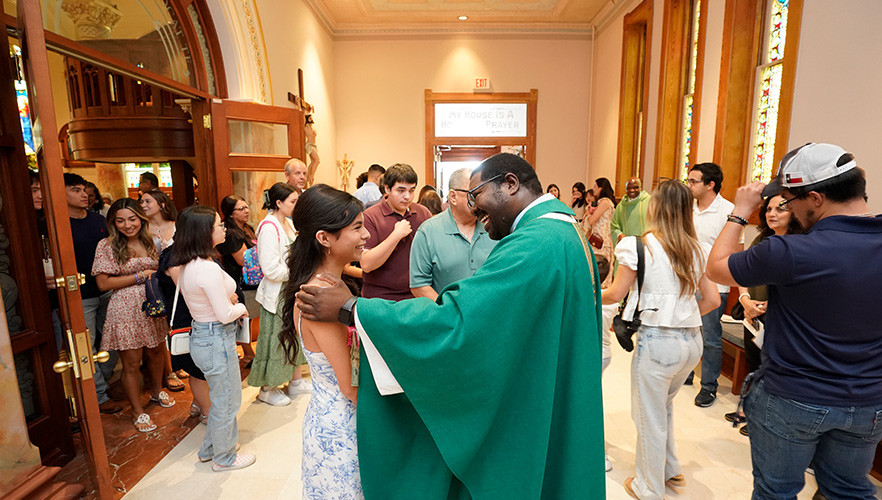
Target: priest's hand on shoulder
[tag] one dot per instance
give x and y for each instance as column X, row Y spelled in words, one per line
column 323, row 303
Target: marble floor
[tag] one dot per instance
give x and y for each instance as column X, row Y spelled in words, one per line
column 715, row 457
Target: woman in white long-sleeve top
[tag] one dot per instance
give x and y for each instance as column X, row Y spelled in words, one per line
column 270, row 369
column 210, row 294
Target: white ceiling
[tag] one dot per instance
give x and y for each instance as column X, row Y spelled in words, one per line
column 365, row 17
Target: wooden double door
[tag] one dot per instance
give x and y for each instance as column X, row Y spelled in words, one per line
column 33, row 394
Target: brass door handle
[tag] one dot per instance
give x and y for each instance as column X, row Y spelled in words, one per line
column 62, row 366
column 101, row 357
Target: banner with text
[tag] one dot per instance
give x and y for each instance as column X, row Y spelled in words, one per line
column 480, row 119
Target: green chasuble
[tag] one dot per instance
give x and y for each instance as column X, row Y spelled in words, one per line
column 501, row 378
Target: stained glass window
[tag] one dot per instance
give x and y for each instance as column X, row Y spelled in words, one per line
column 769, row 91
column 689, row 95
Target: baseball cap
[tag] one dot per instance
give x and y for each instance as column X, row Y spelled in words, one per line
column 808, row 164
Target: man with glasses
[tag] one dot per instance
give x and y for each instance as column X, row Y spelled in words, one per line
column 459, row 415
column 710, row 211
column 817, row 398
column 629, row 217
column 450, row 246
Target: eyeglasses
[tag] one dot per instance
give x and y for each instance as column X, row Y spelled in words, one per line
column 239, row 209
column 472, row 195
column 785, row 202
column 691, row 182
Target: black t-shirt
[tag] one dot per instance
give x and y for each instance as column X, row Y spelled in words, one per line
column 182, row 319
column 86, row 233
column 234, row 242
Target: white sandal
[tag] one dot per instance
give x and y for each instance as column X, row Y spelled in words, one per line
column 163, row 399
column 144, row 419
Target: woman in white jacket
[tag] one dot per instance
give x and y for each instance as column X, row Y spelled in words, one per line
column 270, row 369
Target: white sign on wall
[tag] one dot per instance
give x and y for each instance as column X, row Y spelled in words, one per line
column 480, row 119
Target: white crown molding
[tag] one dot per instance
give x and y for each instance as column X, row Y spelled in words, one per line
column 434, row 29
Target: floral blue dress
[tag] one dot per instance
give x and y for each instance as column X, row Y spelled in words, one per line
column 330, row 452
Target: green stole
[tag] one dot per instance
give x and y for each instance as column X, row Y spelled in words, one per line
column 501, row 378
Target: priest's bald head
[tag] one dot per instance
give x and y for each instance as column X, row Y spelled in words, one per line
column 500, row 188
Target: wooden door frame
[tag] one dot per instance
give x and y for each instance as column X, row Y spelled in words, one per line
column 218, row 142
column 34, row 54
column 634, row 81
column 531, row 99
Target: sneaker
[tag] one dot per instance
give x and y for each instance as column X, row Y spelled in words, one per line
column 242, row 460
column 608, row 463
column 298, row 387
column 743, row 431
column 203, row 459
column 273, row 397
column 735, row 417
column 705, row 398
column 110, row 407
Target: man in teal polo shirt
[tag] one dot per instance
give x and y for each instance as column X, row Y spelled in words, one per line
column 450, row 246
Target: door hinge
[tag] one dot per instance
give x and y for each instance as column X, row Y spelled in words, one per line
column 206, row 121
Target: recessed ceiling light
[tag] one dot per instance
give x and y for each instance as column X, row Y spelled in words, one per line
column 463, row 18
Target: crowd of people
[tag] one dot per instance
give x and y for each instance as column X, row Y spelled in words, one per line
column 396, row 303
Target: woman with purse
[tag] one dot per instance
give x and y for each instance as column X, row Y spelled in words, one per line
column 270, row 369
column 331, row 235
column 669, row 339
column 123, row 262
column 210, row 294
column 774, row 220
column 596, row 225
column 162, row 213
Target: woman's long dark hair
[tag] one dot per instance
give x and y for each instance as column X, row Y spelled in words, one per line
column 606, row 190
column 167, row 209
column 320, row 208
column 793, row 227
column 193, row 235
column 228, row 206
column 580, row 202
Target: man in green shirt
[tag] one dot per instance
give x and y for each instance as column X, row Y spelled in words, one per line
column 629, row 218
column 445, row 407
column 450, row 246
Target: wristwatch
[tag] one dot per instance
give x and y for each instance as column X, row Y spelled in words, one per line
column 346, row 315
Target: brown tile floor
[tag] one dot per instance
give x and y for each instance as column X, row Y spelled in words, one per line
column 131, row 453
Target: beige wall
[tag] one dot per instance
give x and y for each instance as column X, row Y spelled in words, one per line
column 837, row 95
column 295, row 39
column 381, row 106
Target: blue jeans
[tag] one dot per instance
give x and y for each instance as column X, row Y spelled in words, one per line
column 712, row 359
column 213, row 349
column 662, row 360
column 786, row 436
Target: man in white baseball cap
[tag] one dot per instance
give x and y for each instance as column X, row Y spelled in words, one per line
column 817, row 399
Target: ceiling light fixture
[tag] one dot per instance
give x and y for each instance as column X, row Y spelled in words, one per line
column 463, row 18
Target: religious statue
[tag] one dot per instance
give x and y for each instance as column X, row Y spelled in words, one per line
column 345, row 167
column 311, row 151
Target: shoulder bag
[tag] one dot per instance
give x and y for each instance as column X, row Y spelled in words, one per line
column 626, row 329
column 179, row 339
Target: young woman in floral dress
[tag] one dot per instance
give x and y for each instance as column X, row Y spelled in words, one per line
column 123, row 262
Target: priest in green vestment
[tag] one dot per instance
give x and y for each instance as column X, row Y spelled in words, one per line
column 493, row 390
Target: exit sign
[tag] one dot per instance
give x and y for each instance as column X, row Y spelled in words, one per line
column 482, row 84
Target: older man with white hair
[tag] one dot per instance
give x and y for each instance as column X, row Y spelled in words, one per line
column 295, row 174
